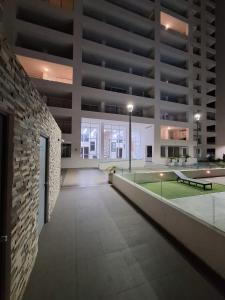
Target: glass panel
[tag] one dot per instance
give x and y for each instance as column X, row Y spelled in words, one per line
column 89, row 140
column 115, row 142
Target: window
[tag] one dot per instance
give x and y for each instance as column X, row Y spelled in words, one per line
column 173, row 151
column 184, row 151
column 163, row 151
column 115, row 141
column 66, row 150
column 136, row 144
column 89, row 140
column 174, row 133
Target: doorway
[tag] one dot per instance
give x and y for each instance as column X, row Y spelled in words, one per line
column 5, row 203
column 149, row 153
column 43, row 183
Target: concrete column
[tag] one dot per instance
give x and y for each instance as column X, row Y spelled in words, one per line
column 103, row 85
column 102, row 140
column 74, row 138
column 130, row 90
column 157, row 144
column 102, row 106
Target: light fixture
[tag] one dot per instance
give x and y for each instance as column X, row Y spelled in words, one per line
column 208, row 172
column 130, row 108
column 197, row 117
column 169, row 128
column 46, row 69
column 161, row 174
column 167, row 26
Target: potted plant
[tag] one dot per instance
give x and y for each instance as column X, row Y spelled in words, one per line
column 177, row 160
column 111, row 170
column 186, row 158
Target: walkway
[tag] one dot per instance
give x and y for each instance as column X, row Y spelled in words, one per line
column 98, row 247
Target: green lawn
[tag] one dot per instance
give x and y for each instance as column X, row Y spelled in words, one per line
column 172, row 189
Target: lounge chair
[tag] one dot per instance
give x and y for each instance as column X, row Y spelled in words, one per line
column 184, row 179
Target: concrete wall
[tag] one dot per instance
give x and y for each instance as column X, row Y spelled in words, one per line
column 200, row 238
column 31, row 119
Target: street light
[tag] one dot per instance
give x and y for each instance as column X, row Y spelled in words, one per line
column 130, row 109
column 197, row 118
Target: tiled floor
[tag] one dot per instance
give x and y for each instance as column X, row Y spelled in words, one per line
column 98, row 247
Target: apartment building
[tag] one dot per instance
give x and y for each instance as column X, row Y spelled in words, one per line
column 92, row 58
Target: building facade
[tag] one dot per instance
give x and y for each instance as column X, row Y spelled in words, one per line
column 92, row 58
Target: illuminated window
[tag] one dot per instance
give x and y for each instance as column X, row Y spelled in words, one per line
column 89, row 140
column 172, row 23
column 174, row 133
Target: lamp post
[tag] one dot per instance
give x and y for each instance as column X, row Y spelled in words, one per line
column 197, row 118
column 130, row 109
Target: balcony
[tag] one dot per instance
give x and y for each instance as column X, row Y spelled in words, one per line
column 41, row 39
column 173, row 24
column 118, row 109
column 180, row 7
column 95, row 75
column 39, row 13
column 113, row 96
column 119, row 17
column 174, row 98
column 174, row 133
column 101, row 55
column 60, row 100
column 173, row 75
column 168, row 115
column 97, row 31
column 144, row 8
column 45, row 70
column 65, row 4
column 173, row 57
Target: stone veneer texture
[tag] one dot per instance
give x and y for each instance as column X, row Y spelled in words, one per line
column 31, row 119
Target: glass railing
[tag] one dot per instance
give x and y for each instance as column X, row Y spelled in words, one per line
column 205, row 203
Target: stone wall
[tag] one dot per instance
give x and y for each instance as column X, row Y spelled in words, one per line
column 31, row 119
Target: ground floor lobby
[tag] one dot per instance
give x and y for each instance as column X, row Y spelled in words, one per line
column 97, row 247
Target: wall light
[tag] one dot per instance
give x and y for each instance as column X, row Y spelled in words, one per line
column 167, row 26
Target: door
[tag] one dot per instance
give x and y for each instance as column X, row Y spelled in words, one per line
column 42, row 184
column 2, row 243
column 86, row 152
column 148, row 153
column 119, row 152
column 4, row 209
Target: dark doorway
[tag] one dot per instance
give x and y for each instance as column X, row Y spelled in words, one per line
column 4, row 207
column 148, row 153
column 43, row 183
